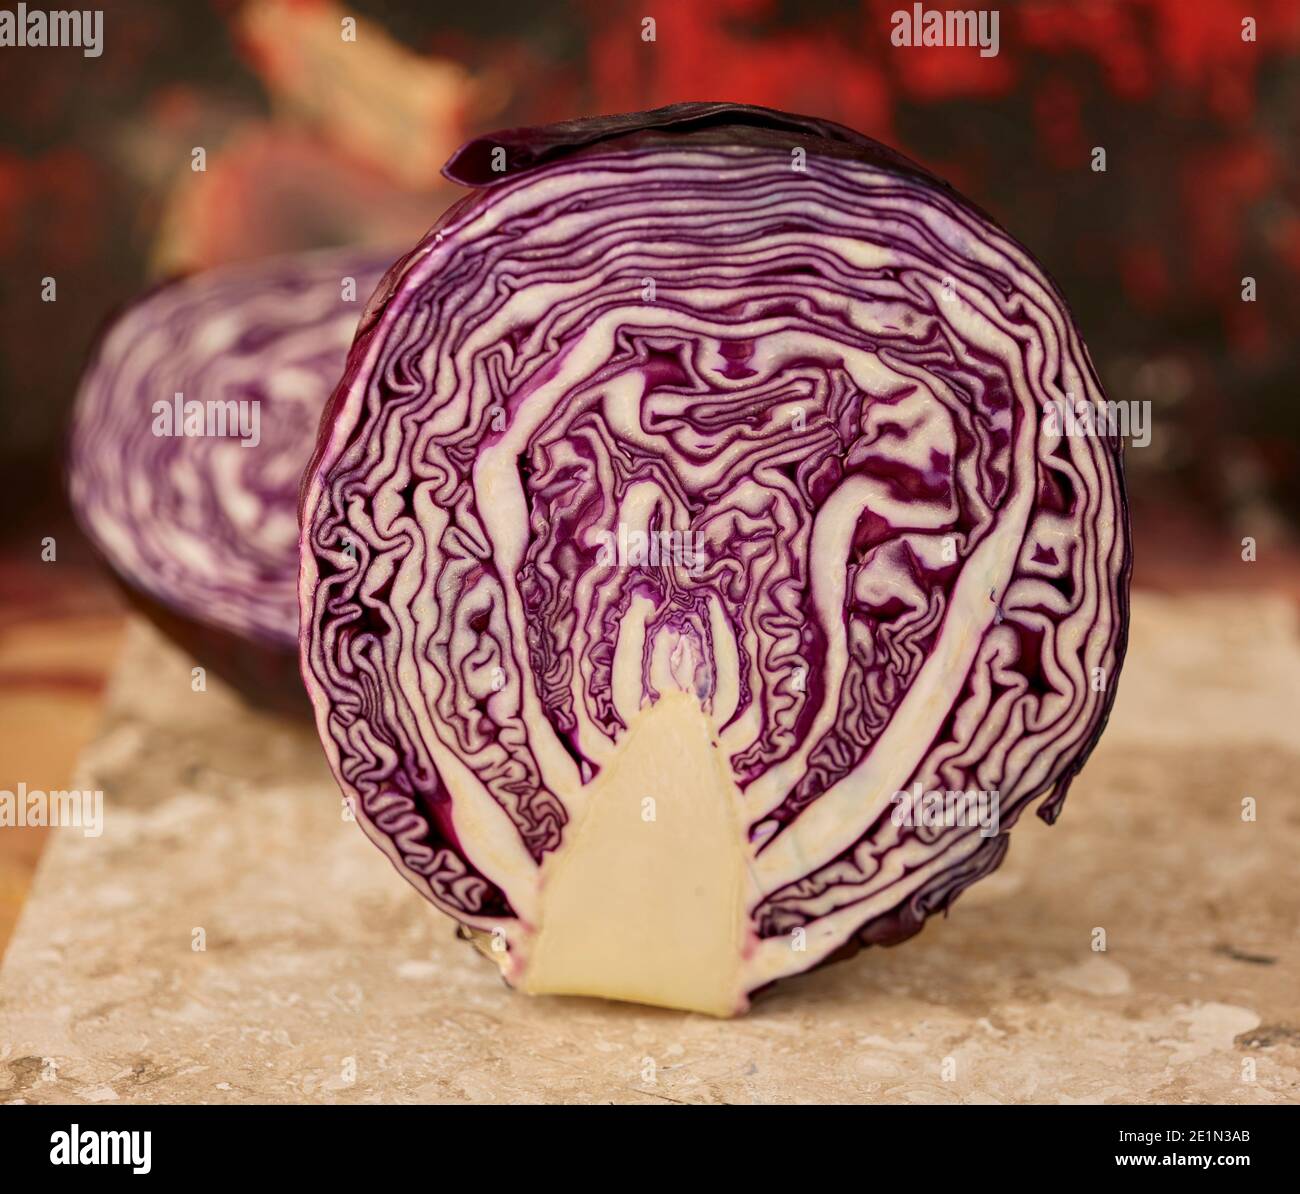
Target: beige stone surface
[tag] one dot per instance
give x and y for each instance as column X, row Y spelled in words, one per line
column 325, row 979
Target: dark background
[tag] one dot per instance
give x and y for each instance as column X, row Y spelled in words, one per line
column 310, row 140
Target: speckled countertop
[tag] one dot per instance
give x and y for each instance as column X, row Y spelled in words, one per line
column 325, row 979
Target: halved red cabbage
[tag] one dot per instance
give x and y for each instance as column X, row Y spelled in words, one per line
column 202, row 527
column 689, row 499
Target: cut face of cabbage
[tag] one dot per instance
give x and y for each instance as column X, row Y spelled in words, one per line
column 191, row 429
column 687, row 509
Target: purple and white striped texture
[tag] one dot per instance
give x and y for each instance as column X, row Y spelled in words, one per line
column 838, row 384
column 202, row 530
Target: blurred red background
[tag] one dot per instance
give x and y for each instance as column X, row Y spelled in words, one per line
column 311, row 139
